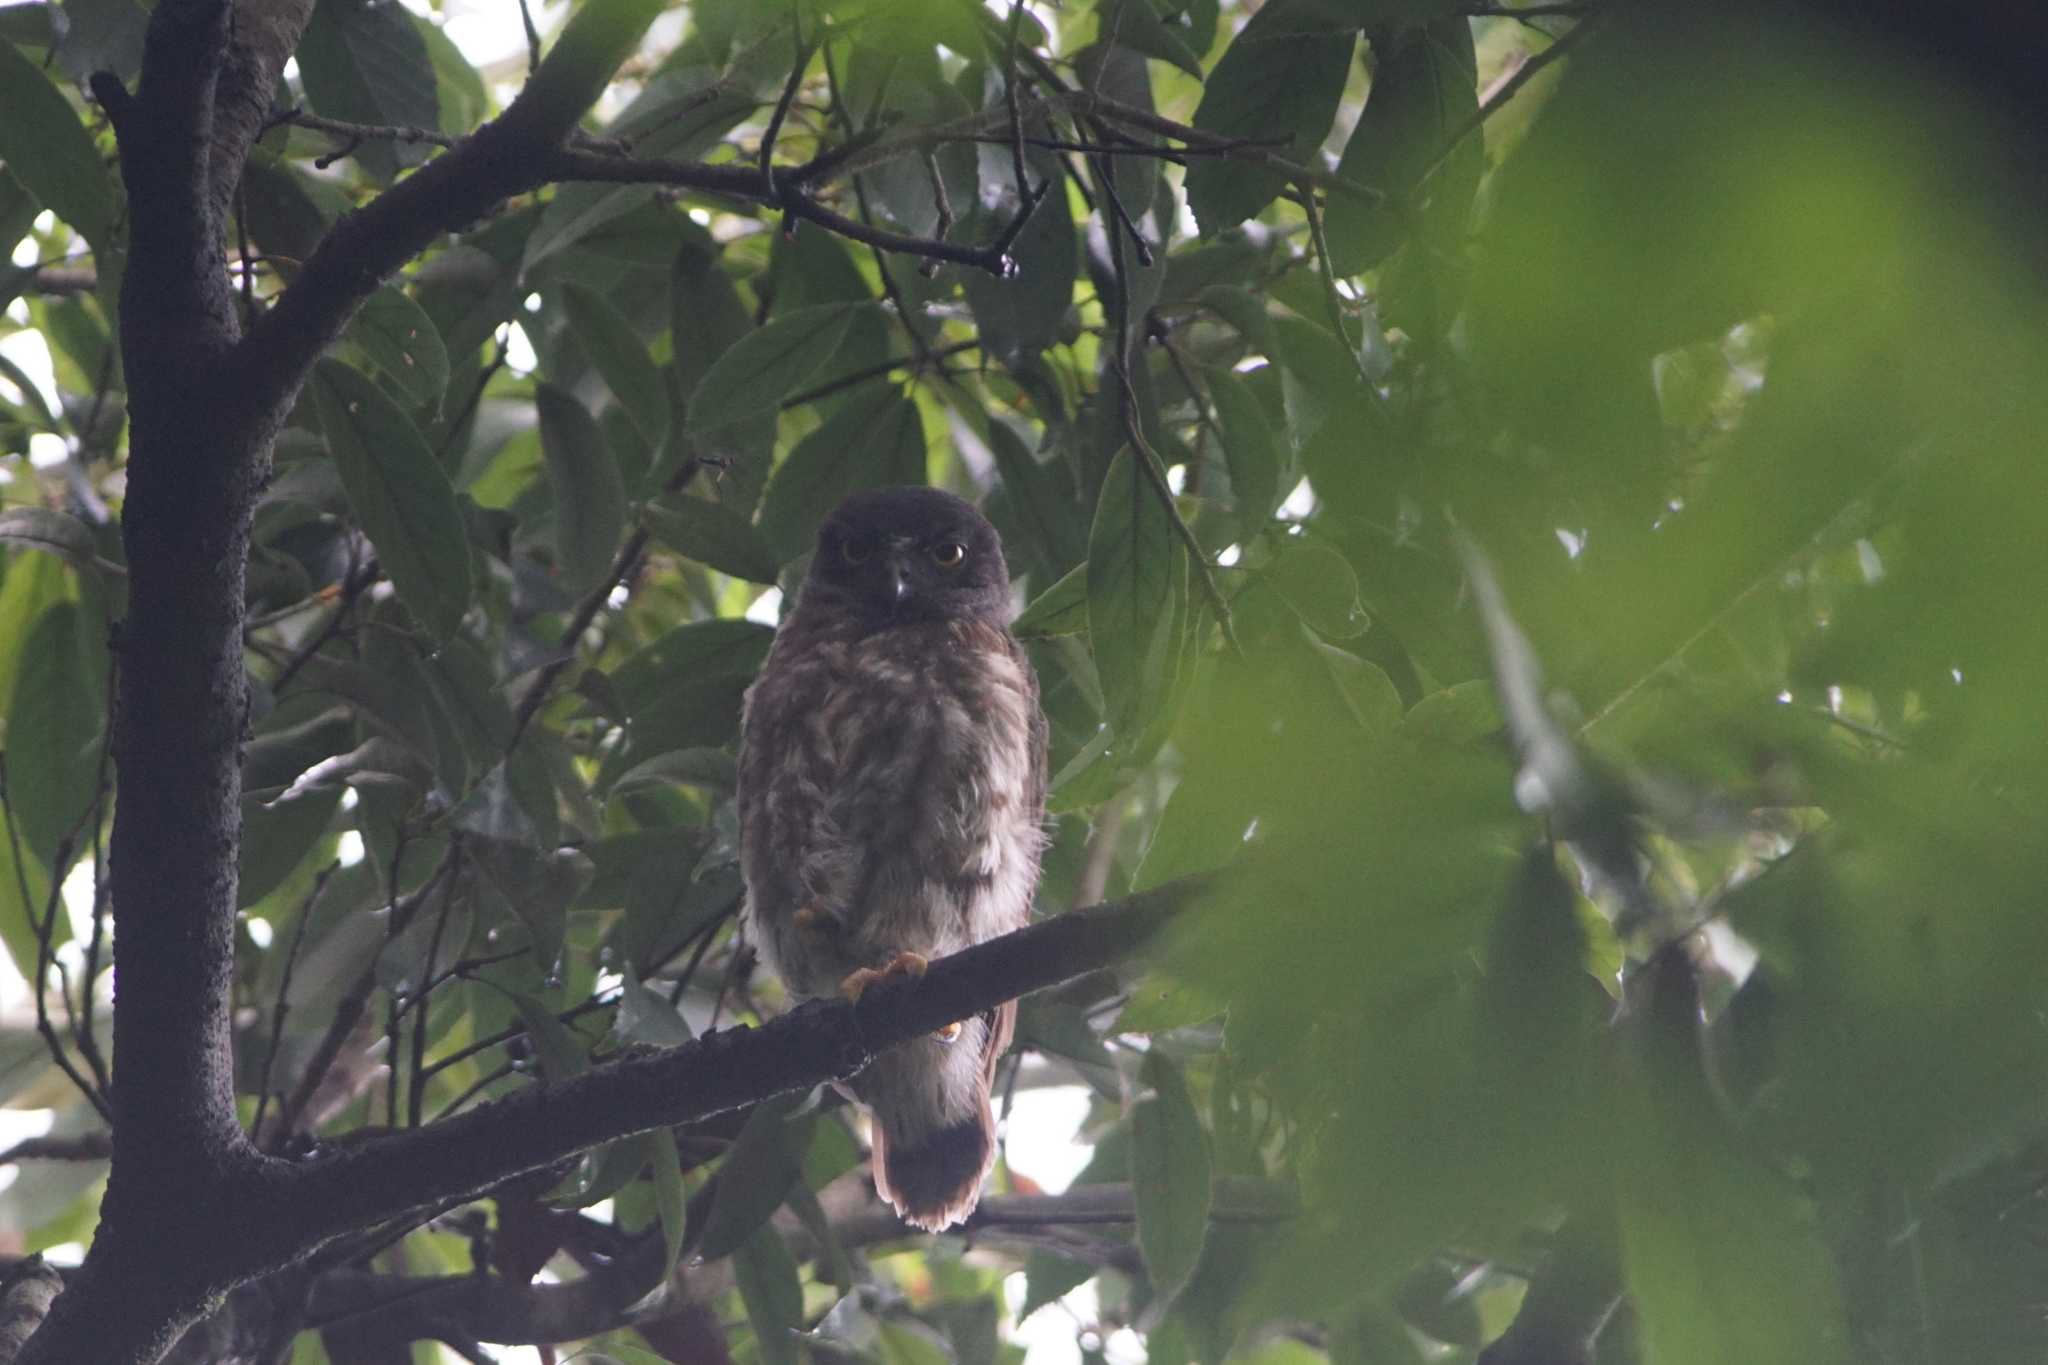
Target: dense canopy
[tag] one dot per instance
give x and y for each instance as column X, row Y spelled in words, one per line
column 1528, row 520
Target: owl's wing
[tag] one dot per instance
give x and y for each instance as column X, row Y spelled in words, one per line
column 792, row 849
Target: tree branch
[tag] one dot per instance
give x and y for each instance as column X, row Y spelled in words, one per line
column 818, row 1042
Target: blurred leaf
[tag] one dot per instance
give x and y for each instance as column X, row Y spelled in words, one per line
column 401, row 496
column 590, row 499
column 767, row 365
column 1131, row 553
column 1366, row 689
column 1319, row 585
column 401, row 340
column 363, row 62
column 621, row 357
column 1277, row 83
column 1169, row 1176
column 49, row 150
column 39, row 528
column 1705, row 1226
column 1421, row 90
column 871, row 442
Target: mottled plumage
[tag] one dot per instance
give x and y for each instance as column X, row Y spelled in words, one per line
column 892, row 797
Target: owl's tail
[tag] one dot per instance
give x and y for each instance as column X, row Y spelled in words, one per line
column 934, row 1137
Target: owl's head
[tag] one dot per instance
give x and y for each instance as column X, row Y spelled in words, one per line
column 910, row 554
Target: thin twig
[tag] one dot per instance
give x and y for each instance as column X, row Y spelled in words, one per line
column 1589, row 20
column 774, row 129
column 84, row 1147
column 1141, row 449
column 350, row 1008
column 282, row 1006
column 877, row 371
column 1010, row 101
column 416, row 1095
column 532, row 38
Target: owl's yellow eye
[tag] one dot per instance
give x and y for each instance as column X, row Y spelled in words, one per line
column 949, row 555
column 853, row 551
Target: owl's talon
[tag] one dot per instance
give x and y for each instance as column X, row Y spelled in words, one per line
column 856, row 982
column 950, row 1033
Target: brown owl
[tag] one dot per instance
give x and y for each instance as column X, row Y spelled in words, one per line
column 892, row 798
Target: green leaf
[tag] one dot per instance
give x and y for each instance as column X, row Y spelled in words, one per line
column 590, row 499
column 1421, row 91
column 668, row 902
column 753, row 1180
column 600, row 35
column 772, row 1290
column 1048, row 1276
column 1278, row 80
column 621, row 357
column 1321, row 587
column 53, row 729
column 1061, row 609
column 1250, row 450
column 1135, row 24
column 49, row 150
column 604, row 1172
column 644, row 1017
column 401, row 340
column 1131, row 609
column 713, row 534
column 767, row 365
column 39, row 528
column 400, row 493
column 728, row 648
column 1367, row 690
column 561, row 1055
column 670, row 1199
column 677, row 116
column 537, row 888
column 276, row 836
column 1021, row 313
column 16, row 931
column 363, row 62
column 1169, row 1177
column 458, row 89
column 713, row 769
column 100, row 35
column 1705, row 1225
column 872, row 442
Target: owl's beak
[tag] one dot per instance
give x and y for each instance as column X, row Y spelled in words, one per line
column 899, row 576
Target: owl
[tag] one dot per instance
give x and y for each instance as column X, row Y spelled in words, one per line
column 892, row 801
